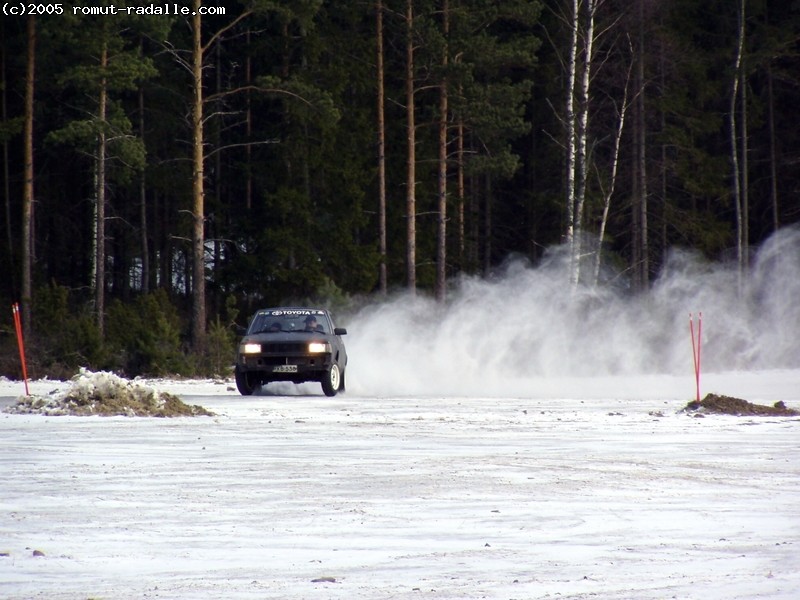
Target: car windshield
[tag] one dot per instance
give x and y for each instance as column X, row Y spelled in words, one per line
column 289, row 320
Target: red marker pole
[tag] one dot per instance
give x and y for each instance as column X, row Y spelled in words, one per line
column 696, row 348
column 21, row 344
column 699, row 346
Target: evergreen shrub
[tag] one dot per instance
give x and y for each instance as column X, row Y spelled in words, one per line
column 144, row 337
column 64, row 334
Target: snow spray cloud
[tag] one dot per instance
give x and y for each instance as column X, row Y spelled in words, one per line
column 526, row 326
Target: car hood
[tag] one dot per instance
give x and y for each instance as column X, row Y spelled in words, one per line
column 293, row 336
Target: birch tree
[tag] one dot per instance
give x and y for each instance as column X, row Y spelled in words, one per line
column 737, row 172
column 609, row 192
column 744, row 143
column 581, row 24
column 582, row 134
column 570, row 142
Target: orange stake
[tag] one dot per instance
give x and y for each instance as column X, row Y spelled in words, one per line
column 696, row 348
column 21, row 344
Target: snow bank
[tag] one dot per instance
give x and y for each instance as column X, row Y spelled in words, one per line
column 105, row 394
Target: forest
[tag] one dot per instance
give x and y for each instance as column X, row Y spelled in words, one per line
column 165, row 175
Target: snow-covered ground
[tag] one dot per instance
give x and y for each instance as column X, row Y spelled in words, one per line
column 302, row 496
column 524, row 442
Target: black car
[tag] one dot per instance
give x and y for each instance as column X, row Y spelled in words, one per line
column 291, row 344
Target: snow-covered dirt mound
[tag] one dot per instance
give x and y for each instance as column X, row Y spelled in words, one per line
column 727, row 405
column 106, row 394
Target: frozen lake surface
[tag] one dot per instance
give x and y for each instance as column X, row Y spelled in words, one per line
column 599, row 493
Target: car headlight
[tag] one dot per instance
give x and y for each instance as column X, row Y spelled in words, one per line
column 250, row 348
column 318, row 347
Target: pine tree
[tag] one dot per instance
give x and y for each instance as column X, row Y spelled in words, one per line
column 110, row 65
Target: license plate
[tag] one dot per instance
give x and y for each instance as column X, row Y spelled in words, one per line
column 284, row 369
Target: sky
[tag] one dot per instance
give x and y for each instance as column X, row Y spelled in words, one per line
column 521, row 443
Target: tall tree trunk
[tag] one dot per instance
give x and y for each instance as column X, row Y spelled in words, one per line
column 613, row 180
column 460, row 185
column 474, row 210
column 744, row 141
column 100, row 199
column 487, row 227
column 382, row 275
column 441, row 237
column 461, row 195
column 636, row 195
column 411, row 177
column 570, row 133
column 736, row 175
column 198, row 207
column 582, row 135
column 641, row 169
column 27, row 189
column 215, row 225
column 664, row 155
column 144, row 232
column 639, row 256
column 6, row 168
column 248, row 74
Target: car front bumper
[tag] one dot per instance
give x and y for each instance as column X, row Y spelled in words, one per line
column 285, row 367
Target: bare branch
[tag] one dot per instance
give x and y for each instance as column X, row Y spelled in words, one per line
column 222, row 31
column 255, row 88
column 241, row 145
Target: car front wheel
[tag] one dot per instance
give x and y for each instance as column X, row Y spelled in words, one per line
column 331, row 380
column 245, row 382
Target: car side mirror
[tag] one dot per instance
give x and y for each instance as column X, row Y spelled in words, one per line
column 339, row 331
column 239, row 330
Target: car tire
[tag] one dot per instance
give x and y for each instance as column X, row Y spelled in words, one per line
column 332, row 380
column 245, row 382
